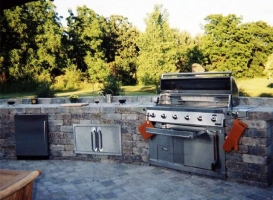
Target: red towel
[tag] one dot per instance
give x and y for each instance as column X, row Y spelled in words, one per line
column 234, row 135
column 142, row 129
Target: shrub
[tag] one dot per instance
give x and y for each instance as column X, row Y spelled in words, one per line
column 72, row 79
column 44, row 91
column 112, row 84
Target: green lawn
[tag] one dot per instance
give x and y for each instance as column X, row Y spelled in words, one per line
column 88, row 91
column 256, row 87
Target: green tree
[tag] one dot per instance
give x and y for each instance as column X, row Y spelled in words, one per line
column 84, row 43
column 189, row 51
column 220, row 44
column 241, row 48
column 31, row 41
column 269, row 67
column 260, row 45
column 121, row 49
column 157, row 48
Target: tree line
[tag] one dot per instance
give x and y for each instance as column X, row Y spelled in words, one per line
column 36, row 48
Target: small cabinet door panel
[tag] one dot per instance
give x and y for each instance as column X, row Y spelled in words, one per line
column 161, row 148
column 199, row 152
column 83, row 140
column 110, row 141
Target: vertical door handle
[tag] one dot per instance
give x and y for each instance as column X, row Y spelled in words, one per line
column 45, row 131
column 93, row 138
column 100, row 139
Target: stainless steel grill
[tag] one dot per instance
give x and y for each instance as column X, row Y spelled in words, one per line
column 189, row 119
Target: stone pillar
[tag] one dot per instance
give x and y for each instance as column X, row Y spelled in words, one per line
column 252, row 163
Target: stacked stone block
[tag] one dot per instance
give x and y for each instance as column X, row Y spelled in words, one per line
column 61, row 137
column 252, row 163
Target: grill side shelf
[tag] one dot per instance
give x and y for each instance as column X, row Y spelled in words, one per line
column 177, row 133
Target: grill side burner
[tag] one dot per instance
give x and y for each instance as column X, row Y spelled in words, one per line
column 189, row 121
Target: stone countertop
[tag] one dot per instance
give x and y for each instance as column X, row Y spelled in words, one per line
column 139, row 107
column 247, row 104
column 131, row 104
column 248, row 108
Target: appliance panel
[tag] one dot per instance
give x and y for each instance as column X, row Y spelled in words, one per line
column 199, row 152
column 189, row 118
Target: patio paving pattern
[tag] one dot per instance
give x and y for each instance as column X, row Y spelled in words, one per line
column 86, row 180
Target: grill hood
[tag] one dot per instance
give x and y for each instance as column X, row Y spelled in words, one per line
column 206, row 89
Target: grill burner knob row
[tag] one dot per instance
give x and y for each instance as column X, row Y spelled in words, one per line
column 187, row 117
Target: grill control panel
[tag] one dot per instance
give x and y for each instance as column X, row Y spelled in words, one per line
column 187, row 118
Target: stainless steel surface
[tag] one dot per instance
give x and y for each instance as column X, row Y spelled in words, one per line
column 97, row 139
column 108, row 98
column 201, row 154
column 175, row 132
column 213, row 89
column 186, row 117
column 31, row 135
column 189, row 119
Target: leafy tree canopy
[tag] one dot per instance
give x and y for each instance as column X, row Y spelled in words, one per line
column 158, row 53
column 241, row 48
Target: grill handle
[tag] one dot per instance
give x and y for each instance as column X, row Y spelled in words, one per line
column 179, row 75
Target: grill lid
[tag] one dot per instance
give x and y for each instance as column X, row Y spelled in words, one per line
column 205, row 89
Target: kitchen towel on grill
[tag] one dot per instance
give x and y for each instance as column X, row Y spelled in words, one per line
column 234, row 135
column 142, row 129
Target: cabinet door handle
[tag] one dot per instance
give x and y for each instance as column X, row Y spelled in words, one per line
column 44, row 130
column 93, row 136
column 100, row 139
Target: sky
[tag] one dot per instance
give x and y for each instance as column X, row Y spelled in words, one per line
column 185, row 15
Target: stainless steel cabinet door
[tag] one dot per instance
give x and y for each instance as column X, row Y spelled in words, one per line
column 31, row 135
column 97, row 139
column 82, row 138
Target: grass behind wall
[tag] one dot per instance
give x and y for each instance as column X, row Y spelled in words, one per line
column 256, row 87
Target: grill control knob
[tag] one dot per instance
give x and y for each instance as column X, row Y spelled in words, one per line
column 152, row 115
column 187, row 117
column 174, row 116
column 163, row 116
column 200, row 118
column 213, row 118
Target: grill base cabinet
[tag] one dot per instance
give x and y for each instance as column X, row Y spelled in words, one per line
column 31, row 136
column 191, row 155
column 97, row 139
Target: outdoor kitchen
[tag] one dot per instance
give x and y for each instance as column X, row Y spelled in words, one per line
column 189, row 125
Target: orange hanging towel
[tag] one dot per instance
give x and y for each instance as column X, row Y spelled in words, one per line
column 142, row 129
column 234, row 135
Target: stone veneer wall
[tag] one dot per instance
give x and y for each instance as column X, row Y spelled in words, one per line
column 61, row 138
column 251, row 164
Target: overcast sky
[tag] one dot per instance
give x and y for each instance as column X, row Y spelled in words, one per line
column 186, row 15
